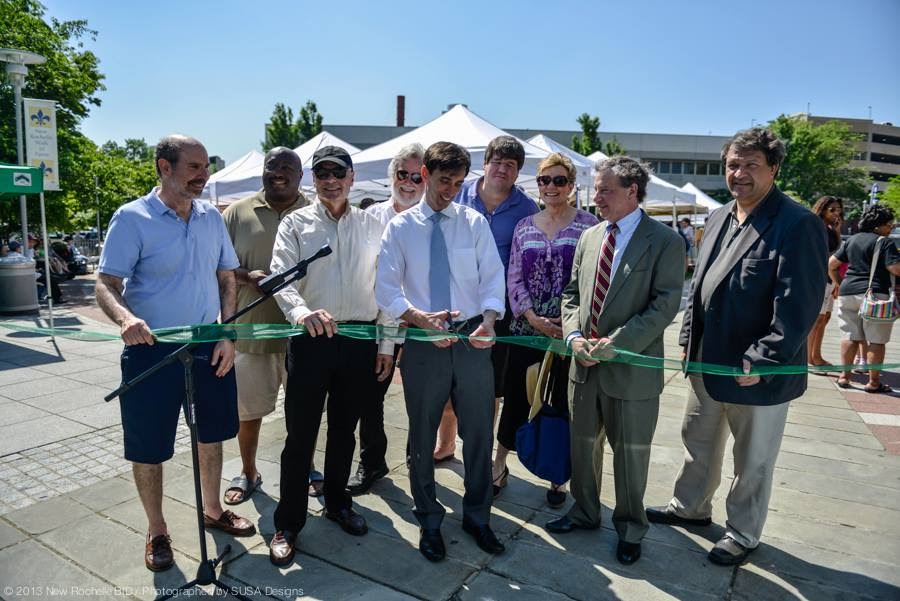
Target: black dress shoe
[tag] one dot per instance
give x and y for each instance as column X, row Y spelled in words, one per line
column 364, row 478
column 564, row 525
column 663, row 515
column 349, row 521
column 628, row 553
column 431, row 544
column 484, row 537
column 281, row 549
column 729, row 552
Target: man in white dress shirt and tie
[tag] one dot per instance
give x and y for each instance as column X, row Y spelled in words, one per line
column 457, row 285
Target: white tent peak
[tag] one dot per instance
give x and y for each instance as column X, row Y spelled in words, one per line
column 703, row 199
column 458, row 125
column 321, row 139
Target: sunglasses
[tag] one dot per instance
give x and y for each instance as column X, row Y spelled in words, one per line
column 415, row 178
column 337, row 172
column 558, row 180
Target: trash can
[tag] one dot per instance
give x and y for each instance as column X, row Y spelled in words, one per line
column 18, row 292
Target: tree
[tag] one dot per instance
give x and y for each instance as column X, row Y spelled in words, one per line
column 309, row 123
column 70, row 77
column 891, row 195
column 281, row 129
column 818, row 160
column 589, row 142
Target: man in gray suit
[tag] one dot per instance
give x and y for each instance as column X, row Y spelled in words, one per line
column 757, row 290
column 627, row 278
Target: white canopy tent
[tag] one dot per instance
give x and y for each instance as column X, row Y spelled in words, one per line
column 237, row 180
column 243, row 177
column 703, row 199
column 583, row 166
column 664, row 198
column 458, row 125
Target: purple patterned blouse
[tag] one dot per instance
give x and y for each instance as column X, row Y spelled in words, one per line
column 540, row 268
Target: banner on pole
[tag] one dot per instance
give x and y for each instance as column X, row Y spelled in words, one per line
column 40, row 139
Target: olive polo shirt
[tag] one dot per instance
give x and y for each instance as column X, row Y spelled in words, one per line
column 252, row 225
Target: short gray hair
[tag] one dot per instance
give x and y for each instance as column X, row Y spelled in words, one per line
column 410, row 151
column 628, row 171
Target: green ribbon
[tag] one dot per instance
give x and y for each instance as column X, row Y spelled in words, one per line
column 256, row 331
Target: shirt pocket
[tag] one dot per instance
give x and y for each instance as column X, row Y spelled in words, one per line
column 464, row 265
column 756, row 273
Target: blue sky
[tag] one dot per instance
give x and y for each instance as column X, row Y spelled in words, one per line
column 216, row 69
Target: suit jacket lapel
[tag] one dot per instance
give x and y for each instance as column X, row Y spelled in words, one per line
column 637, row 246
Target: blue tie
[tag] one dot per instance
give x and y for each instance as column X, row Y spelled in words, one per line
column 439, row 274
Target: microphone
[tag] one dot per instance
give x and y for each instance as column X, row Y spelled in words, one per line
column 278, row 280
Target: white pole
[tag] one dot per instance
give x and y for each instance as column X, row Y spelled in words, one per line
column 20, row 149
column 47, row 267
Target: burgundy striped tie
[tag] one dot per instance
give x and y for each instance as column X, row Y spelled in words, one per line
column 604, row 275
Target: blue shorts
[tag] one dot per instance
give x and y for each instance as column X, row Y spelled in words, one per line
column 150, row 410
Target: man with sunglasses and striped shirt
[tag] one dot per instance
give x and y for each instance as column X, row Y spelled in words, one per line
column 338, row 289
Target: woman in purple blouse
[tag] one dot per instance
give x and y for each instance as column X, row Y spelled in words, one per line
column 540, row 266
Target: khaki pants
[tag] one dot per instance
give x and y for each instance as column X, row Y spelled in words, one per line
column 757, row 434
column 629, row 426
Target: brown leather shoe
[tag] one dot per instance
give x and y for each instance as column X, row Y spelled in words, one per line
column 281, row 549
column 230, row 523
column 158, row 553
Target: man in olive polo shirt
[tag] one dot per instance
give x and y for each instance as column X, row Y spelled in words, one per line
column 252, row 224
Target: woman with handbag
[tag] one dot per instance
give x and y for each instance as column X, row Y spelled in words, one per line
column 830, row 210
column 540, row 266
column 864, row 314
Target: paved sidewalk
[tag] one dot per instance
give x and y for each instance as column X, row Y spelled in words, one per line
column 71, row 524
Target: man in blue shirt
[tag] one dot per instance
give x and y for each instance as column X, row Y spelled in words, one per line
column 496, row 196
column 168, row 261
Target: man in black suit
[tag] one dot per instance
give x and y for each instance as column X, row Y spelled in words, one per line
column 754, row 297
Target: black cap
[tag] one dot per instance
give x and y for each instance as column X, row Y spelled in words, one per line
column 335, row 154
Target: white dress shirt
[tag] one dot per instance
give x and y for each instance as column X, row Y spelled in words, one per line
column 384, row 211
column 627, row 225
column 343, row 283
column 477, row 281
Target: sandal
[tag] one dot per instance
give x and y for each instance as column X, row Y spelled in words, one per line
column 500, row 481
column 843, row 382
column 242, row 485
column 316, row 483
column 882, row 388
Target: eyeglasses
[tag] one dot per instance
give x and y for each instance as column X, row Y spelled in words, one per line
column 415, row 178
column 337, row 172
column 558, row 180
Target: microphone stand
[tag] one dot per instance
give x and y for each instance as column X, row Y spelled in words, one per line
column 206, row 571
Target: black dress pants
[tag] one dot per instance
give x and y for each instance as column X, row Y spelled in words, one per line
column 372, row 439
column 343, row 369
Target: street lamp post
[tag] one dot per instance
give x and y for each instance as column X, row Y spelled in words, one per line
column 17, row 62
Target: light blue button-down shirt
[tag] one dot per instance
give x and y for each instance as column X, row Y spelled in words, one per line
column 168, row 264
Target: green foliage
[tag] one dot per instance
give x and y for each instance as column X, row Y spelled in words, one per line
column 722, row 195
column 309, row 123
column 282, row 130
column 71, row 78
column 818, row 161
column 891, row 195
column 589, row 141
column 613, row 148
